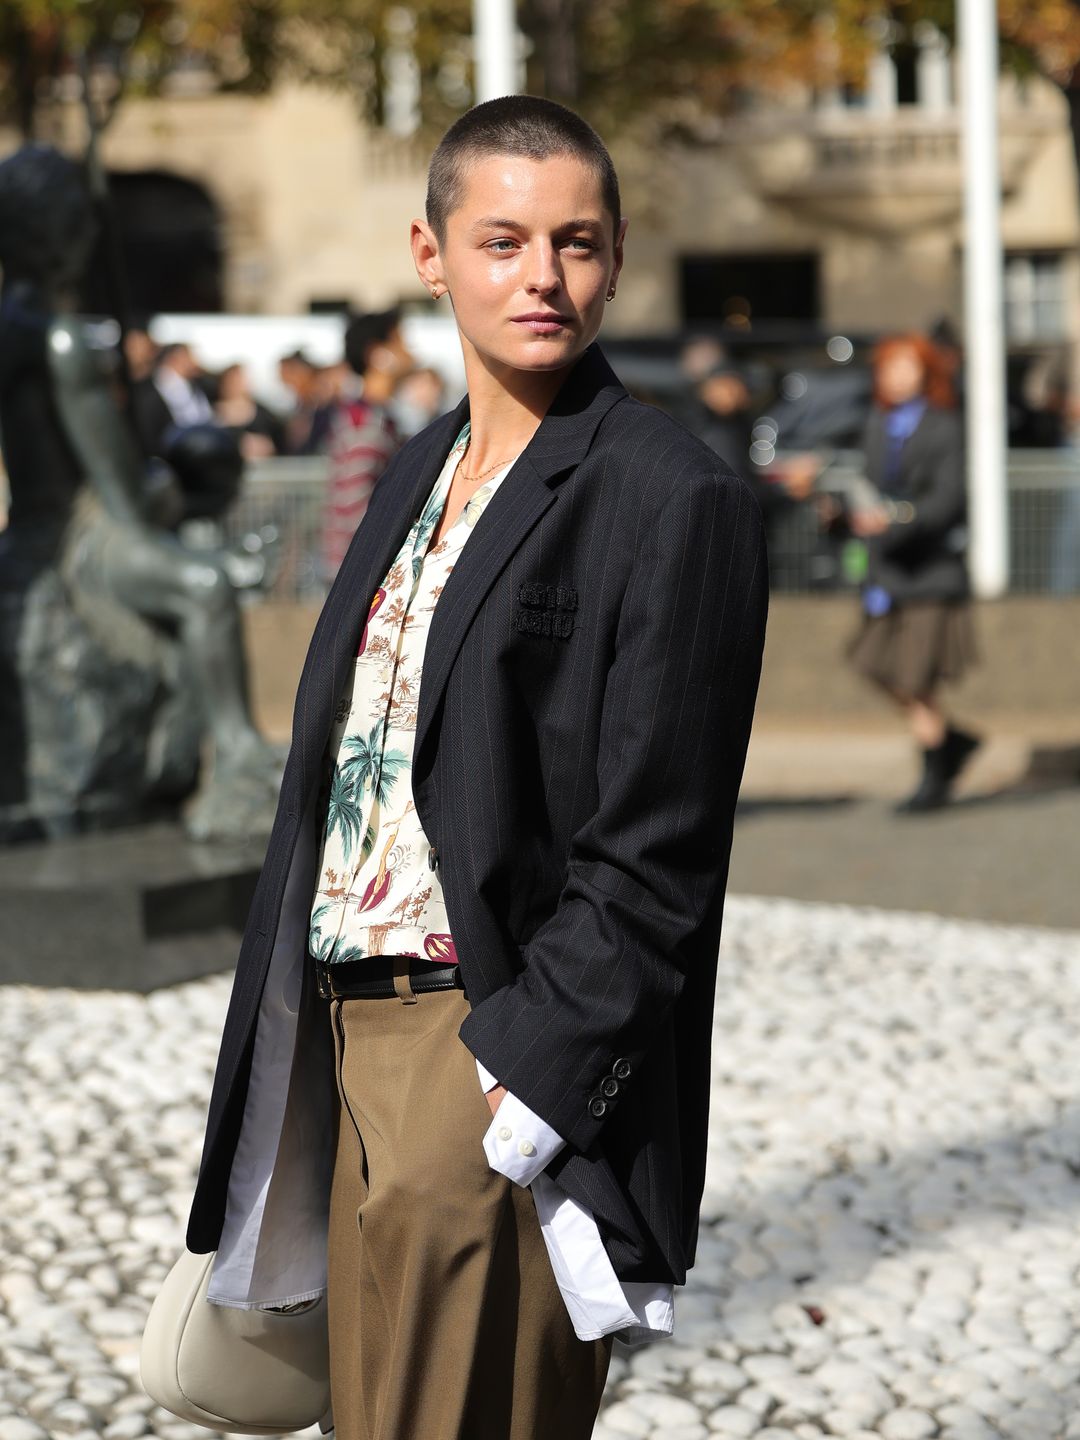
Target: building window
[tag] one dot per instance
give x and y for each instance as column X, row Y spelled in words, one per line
column 1034, row 296
column 171, row 243
column 740, row 290
column 913, row 71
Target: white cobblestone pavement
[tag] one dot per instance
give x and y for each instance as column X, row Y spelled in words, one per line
column 890, row 1243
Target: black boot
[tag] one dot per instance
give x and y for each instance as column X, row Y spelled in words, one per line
column 932, row 791
column 959, row 748
column 941, row 766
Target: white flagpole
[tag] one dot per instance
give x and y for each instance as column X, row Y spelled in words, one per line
column 984, row 346
column 495, row 42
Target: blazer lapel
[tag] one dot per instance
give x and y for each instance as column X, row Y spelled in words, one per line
column 559, row 444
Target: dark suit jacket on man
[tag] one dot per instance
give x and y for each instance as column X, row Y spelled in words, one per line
column 588, row 687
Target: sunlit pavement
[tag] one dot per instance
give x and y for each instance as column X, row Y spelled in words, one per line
column 890, row 1242
column 816, row 822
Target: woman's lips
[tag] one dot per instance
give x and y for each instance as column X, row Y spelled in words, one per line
column 542, row 324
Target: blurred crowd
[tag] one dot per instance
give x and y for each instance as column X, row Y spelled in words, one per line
column 854, row 451
column 356, row 411
column 866, row 448
column 792, row 422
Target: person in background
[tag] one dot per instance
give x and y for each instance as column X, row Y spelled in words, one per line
column 165, row 397
column 259, row 431
column 307, row 428
column 141, row 353
column 724, row 416
column 175, row 378
column 419, row 399
column 363, row 437
column 147, row 410
column 700, row 356
column 916, row 629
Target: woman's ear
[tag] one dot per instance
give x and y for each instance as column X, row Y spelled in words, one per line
column 426, row 257
column 620, row 236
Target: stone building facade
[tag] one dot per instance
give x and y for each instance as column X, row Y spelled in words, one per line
column 843, row 214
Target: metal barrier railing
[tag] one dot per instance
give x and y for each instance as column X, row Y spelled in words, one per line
column 1044, row 542
column 282, row 500
column 282, row 505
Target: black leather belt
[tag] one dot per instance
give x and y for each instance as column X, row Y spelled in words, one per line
column 372, row 978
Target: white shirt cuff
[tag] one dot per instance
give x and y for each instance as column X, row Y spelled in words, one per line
column 597, row 1302
column 518, row 1144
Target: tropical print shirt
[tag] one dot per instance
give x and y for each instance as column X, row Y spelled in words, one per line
column 378, row 893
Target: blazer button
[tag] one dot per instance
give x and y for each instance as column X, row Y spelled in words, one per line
column 597, row 1106
column 621, row 1069
column 433, row 858
column 610, row 1086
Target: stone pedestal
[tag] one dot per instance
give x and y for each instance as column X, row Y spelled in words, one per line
column 129, row 910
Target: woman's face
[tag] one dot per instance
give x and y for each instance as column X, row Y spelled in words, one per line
column 528, row 258
column 901, row 375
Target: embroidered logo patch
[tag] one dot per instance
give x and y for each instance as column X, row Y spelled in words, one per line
column 546, row 609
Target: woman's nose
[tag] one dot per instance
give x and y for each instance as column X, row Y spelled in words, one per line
column 542, row 276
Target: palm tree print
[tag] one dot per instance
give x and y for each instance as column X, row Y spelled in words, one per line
column 343, row 812
column 429, row 516
column 428, row 520
column 368, row 767
column 320, row 945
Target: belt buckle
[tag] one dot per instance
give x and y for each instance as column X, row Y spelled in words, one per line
column 322, row 979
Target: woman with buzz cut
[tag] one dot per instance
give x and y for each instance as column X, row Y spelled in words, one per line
column 464, row 1082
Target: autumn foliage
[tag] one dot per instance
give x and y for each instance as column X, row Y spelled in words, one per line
column 681, row 62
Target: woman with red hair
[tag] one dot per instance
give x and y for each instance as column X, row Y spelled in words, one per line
column 916, row 630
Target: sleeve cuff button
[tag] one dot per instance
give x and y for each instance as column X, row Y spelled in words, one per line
column 597, row 1106
column 505, row 1133
column 526, row 1147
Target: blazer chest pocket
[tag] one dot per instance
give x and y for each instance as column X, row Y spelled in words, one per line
column 544, row 609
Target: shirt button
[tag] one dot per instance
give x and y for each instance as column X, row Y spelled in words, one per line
column 526, row 1147
column 597, row 1106
column 505, row 1133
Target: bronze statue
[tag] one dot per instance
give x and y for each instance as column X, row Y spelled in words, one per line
column 81, row 508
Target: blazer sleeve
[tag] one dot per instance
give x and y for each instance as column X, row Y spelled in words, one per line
column 647, row 871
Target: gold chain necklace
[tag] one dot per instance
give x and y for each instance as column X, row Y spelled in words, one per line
column 472, row 479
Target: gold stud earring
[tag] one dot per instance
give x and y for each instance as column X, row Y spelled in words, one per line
column 434, row 292
column 611, row 293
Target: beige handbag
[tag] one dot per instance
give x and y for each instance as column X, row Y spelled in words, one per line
column 249, row 1372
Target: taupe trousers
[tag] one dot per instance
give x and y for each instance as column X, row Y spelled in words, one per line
column 446, row 1322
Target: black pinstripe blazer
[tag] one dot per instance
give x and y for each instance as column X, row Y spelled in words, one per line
column 588, row 687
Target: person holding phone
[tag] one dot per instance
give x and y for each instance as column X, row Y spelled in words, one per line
column 916, row 631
